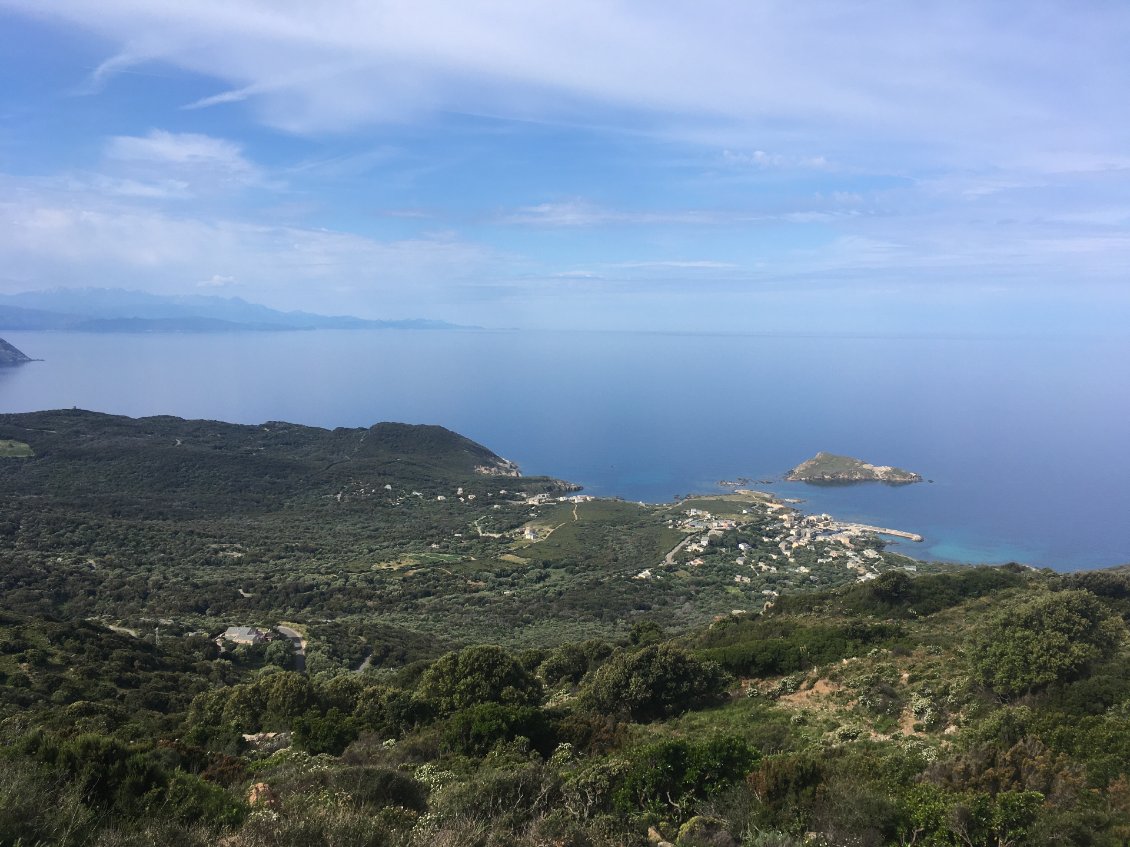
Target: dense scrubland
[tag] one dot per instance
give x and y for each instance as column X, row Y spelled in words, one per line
column 491, row 670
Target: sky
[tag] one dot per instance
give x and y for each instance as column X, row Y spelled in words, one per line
column 753, row 166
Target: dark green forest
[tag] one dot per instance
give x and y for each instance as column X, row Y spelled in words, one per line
column 483, row 663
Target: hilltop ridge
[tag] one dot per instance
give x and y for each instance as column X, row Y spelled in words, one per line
column 276, row 455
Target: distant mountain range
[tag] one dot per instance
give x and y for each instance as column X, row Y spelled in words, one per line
column 118, row 310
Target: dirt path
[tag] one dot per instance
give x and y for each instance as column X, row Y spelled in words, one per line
column 669, row 559
column 552, row 531
column 483, row 534
column 808, row 697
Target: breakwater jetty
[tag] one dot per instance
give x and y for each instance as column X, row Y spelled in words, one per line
column 878, row 530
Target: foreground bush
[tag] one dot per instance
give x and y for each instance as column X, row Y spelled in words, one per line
column 654, row 683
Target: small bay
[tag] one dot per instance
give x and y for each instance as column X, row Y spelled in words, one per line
column 1022, row 438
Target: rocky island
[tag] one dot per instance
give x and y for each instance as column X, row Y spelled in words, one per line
column 828, row 468
column 9, row 355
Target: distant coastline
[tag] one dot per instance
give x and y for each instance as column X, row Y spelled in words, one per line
column 534, row 394
column 106, row 310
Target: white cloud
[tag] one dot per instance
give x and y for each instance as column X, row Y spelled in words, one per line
column 576, row 275
column 848, row 144
column 216, row 281
column 198, row 158
column 568, row 213
column 763, row 160
column 923, row 251
column 64, row 238
column 188, row 148
column 812, row 217
column 686, row 264
column 580, row 213
column 157, row 189
column 941, row 76
column 165, row 168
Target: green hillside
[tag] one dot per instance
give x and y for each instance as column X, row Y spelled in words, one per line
column 209, row 524
column 981, row 707
column 461, row 656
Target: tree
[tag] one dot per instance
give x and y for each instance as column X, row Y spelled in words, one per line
column 390, row 711
column 675, row 774
column 939, row 818
column 570, row 662
column 280, row 653
column 113, row 776
column 482, row 674
column 287, row 695
column 330, row 733
column 653, row 683
column 476, row 731
column 645, row 632
column 1054, row 637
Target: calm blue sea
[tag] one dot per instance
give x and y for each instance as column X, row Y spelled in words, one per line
column 1024, row 438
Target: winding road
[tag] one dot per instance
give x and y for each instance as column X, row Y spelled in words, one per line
column 299, row 646
column 669, row 559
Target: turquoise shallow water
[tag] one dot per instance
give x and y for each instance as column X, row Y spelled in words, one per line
column 1023, row 437
column 956, row 551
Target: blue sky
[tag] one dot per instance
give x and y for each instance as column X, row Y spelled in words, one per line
column 739, row 166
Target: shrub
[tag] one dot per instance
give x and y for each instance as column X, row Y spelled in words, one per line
column 330, row 733
column 474, row 675
column 653, row 683
column 475, row 731
column 674, row 775
column 1054, row 637
column 194, row 800
column 570, row 662
column 390, row 712
column 378, row 787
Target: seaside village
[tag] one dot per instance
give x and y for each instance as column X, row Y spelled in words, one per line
column 758, row 544
column 778, row 543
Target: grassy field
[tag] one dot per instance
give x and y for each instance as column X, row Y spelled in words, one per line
column 724, row 505
column 608, row 532
column 15, row 449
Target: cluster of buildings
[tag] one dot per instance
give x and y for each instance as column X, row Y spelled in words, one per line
column 544, row 499
column 246, row 635
column 791, row 533
column 697, row 520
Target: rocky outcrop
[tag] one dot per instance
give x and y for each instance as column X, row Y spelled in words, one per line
column 261, row 794
column 499, row 467
column 828, row 468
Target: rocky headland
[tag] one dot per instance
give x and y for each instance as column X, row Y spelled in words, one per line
column 10, row 355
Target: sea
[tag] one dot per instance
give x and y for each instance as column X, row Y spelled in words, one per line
column 1023, row 440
